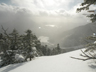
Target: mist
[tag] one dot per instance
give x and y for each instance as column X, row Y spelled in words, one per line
column 44, row 19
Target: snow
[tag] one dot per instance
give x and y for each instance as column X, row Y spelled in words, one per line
column 94, row 11
column 19, row 58
column 56, row 63
column 94, row 42
column 34, row 48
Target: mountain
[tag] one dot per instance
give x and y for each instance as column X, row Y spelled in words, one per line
column 69, row 38
column 76, row 36
column 56, row 63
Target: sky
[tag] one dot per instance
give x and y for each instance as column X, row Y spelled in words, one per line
column 43, row 17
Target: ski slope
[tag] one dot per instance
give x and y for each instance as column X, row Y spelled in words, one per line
column 56, row 63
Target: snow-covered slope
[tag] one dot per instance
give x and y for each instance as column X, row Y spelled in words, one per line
column 56, row 63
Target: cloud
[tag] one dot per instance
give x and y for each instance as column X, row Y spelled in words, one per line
column 44, row 39
column 50, row 25
column 46, row 4
column 15, row 17
column 22, row 17
column 47, row 21
column 33, row 14
column 43, row 13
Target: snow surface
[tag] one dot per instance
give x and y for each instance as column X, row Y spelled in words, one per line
column 19, row 58
column 56, row 63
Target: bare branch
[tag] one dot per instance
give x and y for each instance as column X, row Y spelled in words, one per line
column 85, row 54
column 5, row 31
column 84, row 59
column 82, row 55
column 91, row 55
column 79, row 58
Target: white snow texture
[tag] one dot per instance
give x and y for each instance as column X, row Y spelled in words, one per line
column 56, row 63
column 19, row 58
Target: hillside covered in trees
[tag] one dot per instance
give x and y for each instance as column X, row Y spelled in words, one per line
column 16, row 48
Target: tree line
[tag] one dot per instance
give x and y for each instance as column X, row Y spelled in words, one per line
column 16, row 48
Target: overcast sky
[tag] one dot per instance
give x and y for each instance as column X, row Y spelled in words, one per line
column 41, row 16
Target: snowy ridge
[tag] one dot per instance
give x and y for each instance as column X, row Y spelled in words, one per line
column 56, row 63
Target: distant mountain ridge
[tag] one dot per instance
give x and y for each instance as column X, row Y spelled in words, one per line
column 74, row 37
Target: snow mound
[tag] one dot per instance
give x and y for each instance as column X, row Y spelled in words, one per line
column 56, row 63
column 19, row 58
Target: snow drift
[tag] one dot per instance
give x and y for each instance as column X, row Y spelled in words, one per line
column 56, row 63
column 19, row 58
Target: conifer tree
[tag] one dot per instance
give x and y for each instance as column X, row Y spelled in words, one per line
column 85, row 6
column 58, row 49
column 89, row 52
column 29, row 43
column 14, row 36
column 8, row 56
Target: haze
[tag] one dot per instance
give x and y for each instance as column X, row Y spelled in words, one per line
column 46, row 18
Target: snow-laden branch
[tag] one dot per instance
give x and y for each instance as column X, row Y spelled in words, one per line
column 85, row 55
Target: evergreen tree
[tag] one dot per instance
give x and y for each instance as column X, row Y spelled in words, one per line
column 17, row 48
column 9, row 44
column 8, row 55
column 85, row 6
column 14, row 45
column 43, row 49
column 14, row 36
column 58, row 49
column 54, row 51
column 28, row 43
column 89, row 52
column 38, row 45
column 48, row 52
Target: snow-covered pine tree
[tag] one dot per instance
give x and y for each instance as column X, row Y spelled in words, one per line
column 8, row 55
column 90, row 51
column 29, row 43
column 9, row 44
column 58, row 49
column 37, row 45
column 14, row 36
column 85, row 6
